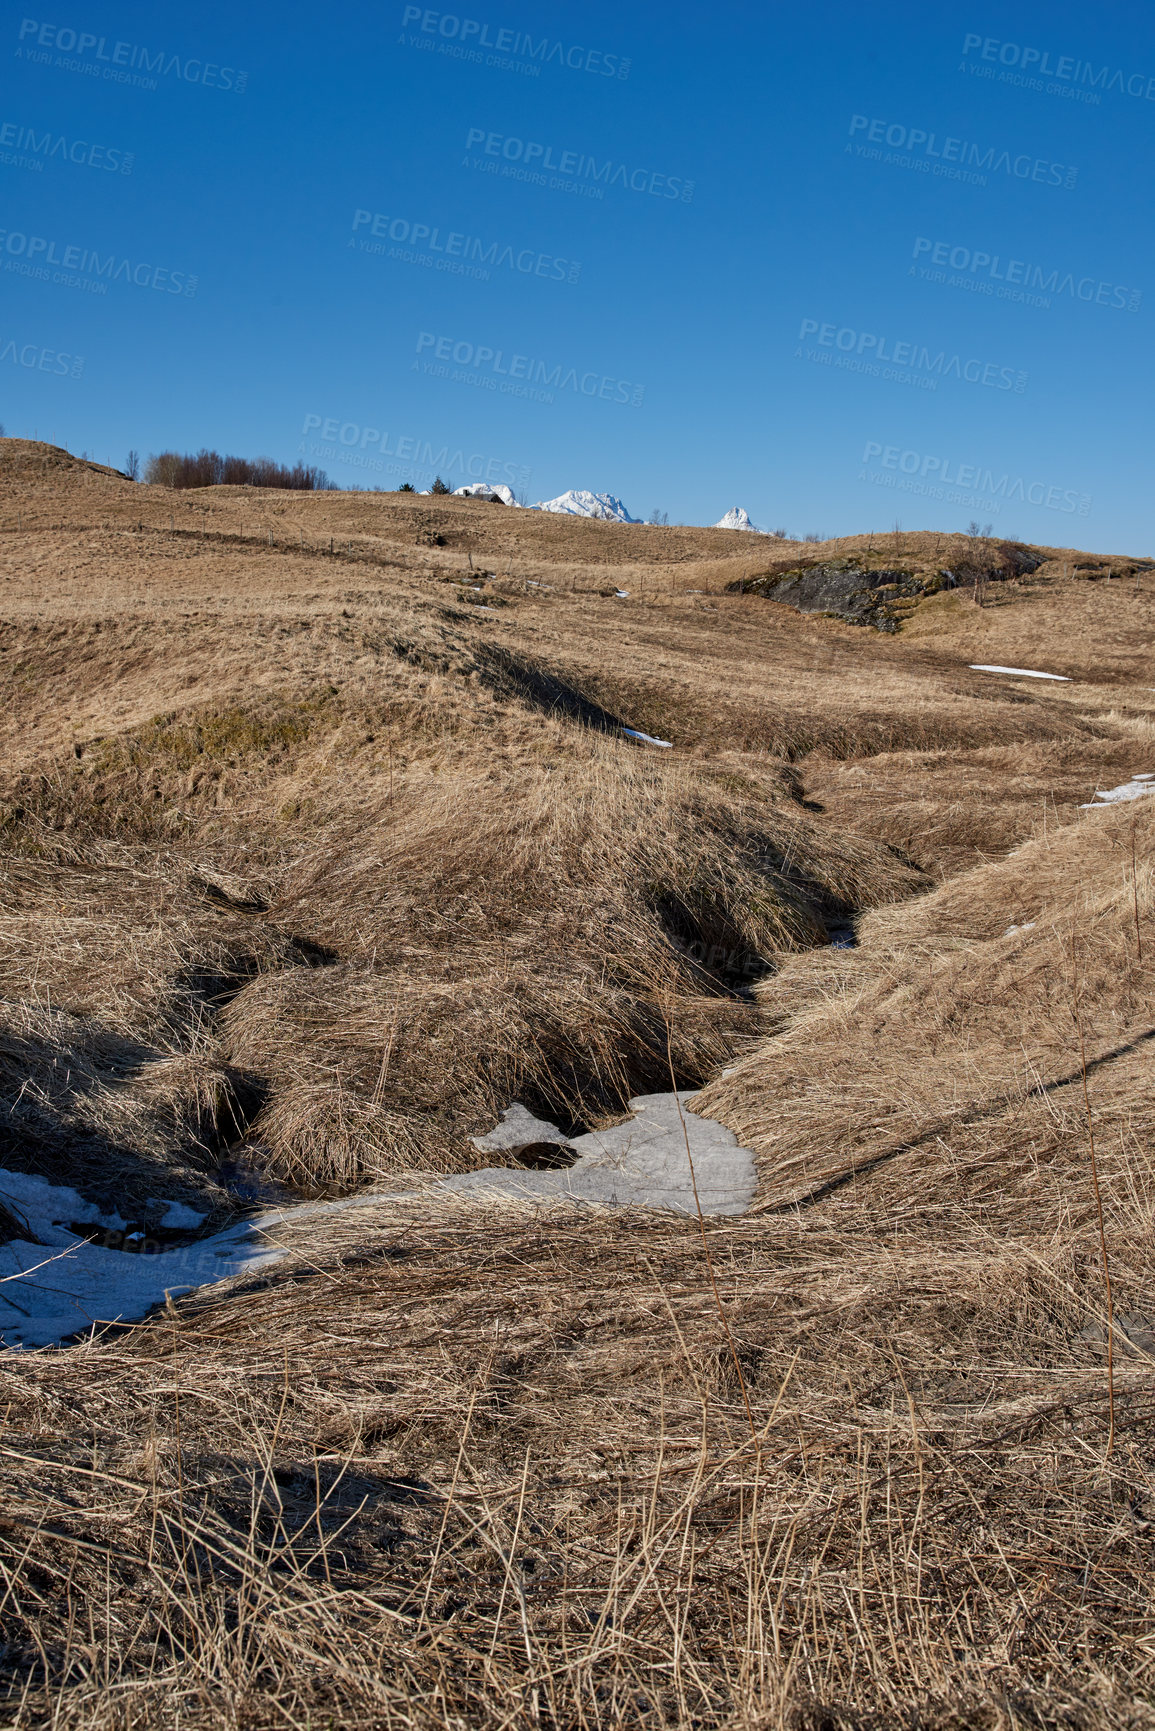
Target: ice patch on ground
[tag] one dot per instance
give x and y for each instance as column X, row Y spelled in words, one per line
column 1133, row 789
column 54, row 1283
column 647, row 738
column 1019, row 672
column 179, row 1217
column 519, row 1130
column 654, row 1160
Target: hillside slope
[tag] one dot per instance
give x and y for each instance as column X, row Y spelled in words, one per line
column 322, row 837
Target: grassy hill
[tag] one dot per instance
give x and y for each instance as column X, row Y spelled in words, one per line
column 321, row 840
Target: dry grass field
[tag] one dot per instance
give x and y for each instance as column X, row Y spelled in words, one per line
column 321, row 840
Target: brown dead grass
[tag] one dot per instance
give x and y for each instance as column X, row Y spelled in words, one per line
column 942, row 1057
column 303, row 851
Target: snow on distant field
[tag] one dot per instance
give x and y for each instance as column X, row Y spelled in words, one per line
column 737, row 518
column 1133, row 789
column 482, row 490
column 580, row 503
column 1019, row 672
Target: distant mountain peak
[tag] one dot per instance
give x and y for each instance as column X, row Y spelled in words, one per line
column 737, row 518
column 580, row 503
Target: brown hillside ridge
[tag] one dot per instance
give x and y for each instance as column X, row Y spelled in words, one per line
column 322, row 839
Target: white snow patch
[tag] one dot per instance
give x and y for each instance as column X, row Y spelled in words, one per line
column 518, row 1130
column 63, row 1285
column 54, row 1284
column 1133, row 789
column 580, row 503
column 647, row 738
column 1027, row 926
column 1020, row 672
column 622, row 594
column 737, row 518
column 178, row 1217
column 664, row 1156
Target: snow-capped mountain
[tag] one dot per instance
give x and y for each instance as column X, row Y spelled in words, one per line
column 736, row 518
column 482, row 490
column 579, row 503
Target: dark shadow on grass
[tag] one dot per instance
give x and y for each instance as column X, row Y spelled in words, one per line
column 515, row 676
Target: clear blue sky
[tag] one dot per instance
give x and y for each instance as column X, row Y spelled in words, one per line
column 850, row 263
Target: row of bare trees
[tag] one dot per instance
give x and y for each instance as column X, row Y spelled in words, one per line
column 210, row 469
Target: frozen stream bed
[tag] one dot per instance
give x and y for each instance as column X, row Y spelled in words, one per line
column 55, row 1283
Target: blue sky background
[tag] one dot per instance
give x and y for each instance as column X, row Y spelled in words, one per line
column 701, row 302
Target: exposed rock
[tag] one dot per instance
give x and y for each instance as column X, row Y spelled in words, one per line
column 849, row 588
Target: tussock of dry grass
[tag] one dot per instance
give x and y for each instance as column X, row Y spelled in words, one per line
column 486, row 925
column 533, row 930
column 494, row 1474
column 941, row 1062
column 950, row 809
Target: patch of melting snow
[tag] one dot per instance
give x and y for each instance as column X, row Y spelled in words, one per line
column 518, row 1132
column 622, row 594
column 179, row 1217
column 656, row 1159
column 54, row 1283
column 647, row 738
column 1019, row 672
column 1133, row 789
column 1027, row 926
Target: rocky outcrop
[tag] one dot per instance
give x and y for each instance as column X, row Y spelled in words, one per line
column 849, row 588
